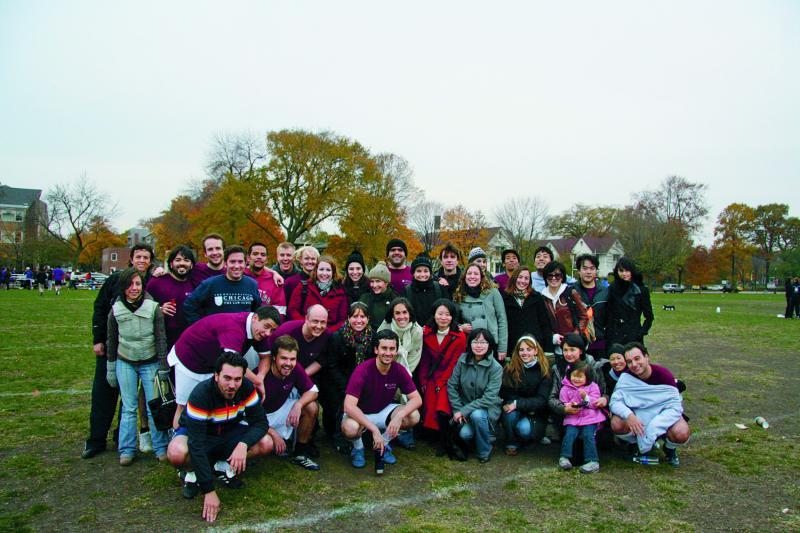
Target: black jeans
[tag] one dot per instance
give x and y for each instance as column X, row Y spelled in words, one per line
column 104, row 405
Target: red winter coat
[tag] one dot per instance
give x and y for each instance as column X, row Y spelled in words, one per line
column 435, row 366
column 335, row 301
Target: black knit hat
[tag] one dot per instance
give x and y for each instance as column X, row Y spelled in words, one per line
column 421, row 260
column 396, row 243
column 355, row 257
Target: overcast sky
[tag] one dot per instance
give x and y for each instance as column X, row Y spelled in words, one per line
column 570, row 101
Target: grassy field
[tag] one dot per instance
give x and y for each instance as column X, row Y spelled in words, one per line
column 739, row 363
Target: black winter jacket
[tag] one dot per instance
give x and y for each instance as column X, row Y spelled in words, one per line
column 531, row 317
column 599, row 305
column 627, row 302
column 422, row 296
column 531, row 393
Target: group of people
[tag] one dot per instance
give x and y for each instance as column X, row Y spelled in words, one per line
column 45, row 278
column 387, row 355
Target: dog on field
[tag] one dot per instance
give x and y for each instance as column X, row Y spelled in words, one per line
column 668, row 307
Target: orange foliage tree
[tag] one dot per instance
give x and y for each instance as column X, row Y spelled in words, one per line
column 464, row 228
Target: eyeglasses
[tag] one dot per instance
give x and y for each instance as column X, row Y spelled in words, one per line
column 480, row 342
column 554, row 275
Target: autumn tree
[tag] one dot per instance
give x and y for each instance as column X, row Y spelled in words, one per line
column 678, row 201
column 768, row 231
column 425, row 219
column 700, row 267
column 583, row 219
column 237, row 155
column 92, row 255
column 73, row 212
column 525, row 220
column 659, row 248
column 310, row 178
column 732, row 235
column 464, row 228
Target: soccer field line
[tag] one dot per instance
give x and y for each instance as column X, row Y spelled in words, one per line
column 368, row 508
column 34, row 393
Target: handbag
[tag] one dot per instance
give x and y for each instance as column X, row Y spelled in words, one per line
column 163, row 406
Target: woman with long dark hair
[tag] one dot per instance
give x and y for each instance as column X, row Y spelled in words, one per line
column 628, row 302
column 525, row 310
column 481, row 306
column 348, row 347
column 442, row 344
column 137, row 350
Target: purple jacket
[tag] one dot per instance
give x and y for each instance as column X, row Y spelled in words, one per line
column 587, row 415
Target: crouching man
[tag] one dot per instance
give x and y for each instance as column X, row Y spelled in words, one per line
column 211, row 442
column 291, row 404
column 369, row 403
column 646, row 405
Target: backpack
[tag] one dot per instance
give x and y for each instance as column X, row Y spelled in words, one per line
column 588, row 332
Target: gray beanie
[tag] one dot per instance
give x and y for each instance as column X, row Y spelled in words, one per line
column 380, row 272
column 475, row 253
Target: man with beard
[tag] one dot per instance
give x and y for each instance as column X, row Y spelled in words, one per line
column 290, row 404
column 231, row 293
column 172, row 289
column 212, row 441
column 270, row 293
column 449, row 273
column 396, row 252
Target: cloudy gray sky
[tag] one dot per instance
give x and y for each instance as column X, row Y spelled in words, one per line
column 569, row 101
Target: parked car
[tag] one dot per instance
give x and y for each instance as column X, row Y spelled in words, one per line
column 716, row 287
column 672, row 287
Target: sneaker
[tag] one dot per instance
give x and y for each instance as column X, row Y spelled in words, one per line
column 379, row 462
column 305, row 461
column 388, row 456
column 357, row 458
column 145, row 442
column 545, row 441
column 125, row 460
column 671, row 455
column 511, row 452
column 90, row 451
column 564, row 463
column 190, row 485
column 405, row 439
column 226, row 476
column 645, row 459
column 590, row 468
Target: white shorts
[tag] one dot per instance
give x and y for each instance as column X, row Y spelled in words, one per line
column 379, row 419
column 185, row 379
column 277, row 419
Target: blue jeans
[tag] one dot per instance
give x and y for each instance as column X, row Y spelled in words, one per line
column 589, row 445
column 478, row 428
column 128, row 376
column 521, row 427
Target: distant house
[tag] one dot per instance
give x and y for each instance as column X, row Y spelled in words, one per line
column 140, row 235
column 22, row 214
column 114, row 259
column 607, row 249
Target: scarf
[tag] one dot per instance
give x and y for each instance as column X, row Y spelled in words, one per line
column 475, row 292
column 360, row 342
column 324, row 286
column 133, row 306
column 521, row 294
column 531, row 364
